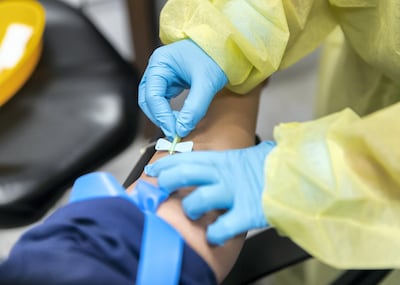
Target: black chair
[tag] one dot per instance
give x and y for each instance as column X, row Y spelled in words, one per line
column 267, row 252
column 78, row 110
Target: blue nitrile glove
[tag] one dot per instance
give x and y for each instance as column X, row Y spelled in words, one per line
column 232, row 180
column 171, row 69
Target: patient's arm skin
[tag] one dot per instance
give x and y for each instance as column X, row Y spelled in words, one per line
column 230, row 123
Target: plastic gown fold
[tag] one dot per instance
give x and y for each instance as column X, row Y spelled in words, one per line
column 248, row 51
column 333, row 186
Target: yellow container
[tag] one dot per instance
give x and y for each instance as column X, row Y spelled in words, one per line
column 30, row 13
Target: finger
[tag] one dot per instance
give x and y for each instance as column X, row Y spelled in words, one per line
column 178, row 177
column 226, row 227
column 142, row 98
column 157, row 103
column 173, row 91
column 185, row 160
column 194, row 108
column 205, row 199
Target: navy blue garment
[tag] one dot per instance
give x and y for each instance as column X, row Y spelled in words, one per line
column 95, row 241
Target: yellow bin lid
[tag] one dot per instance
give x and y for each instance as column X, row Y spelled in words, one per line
column 29, row 14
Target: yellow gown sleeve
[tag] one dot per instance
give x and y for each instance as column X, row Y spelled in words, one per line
column 249, row 39
column 333, row 187
column 372, row 30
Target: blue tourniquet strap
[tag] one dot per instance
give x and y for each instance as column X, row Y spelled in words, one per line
column 161, row 253
column 96, row 185
column 147, row 196
column 162, row 246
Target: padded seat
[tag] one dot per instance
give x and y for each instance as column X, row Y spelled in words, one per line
column 78, row 110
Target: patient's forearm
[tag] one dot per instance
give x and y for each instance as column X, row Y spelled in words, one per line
column 229, row 123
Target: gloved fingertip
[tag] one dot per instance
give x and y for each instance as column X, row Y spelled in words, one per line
column 186, row 205
column 213, row 239
column 169, row 135
column 149, row 170
column 169, row 132
column 164, row 190
column 182, row 131
column 193, row 216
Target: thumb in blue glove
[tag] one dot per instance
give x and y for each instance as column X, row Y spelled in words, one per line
column 231, row 180
column 171, row 69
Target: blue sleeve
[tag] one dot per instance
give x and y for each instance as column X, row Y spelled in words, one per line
column 95, row 241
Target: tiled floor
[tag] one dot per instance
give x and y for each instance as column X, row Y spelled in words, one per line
column 288, row 97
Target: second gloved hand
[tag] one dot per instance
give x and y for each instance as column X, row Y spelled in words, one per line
column 171, row 69
column 231, row 180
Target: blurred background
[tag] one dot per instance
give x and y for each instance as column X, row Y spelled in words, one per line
column 288, row 96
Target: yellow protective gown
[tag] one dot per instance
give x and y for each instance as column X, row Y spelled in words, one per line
column 332, row 185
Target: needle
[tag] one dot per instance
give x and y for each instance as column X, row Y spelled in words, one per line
column 174, row 143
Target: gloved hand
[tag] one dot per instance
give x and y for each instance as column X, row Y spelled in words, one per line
column 231, row 180
column 171, row 69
